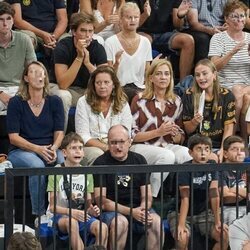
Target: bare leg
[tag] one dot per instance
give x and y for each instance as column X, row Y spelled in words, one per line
column 242, row 101
column 95, row 229
column 185, row 43
column 76, row 241
column 182, row 244
column 238, row 94
column 122, row 231
column 154, row 232
column 246, row 245
column 243, row 123
column 217, row 237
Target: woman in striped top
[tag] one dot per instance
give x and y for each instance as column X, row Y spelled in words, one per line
column 229, row 53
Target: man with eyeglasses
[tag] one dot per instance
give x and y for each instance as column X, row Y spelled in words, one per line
column 119, row 142
column 75, row 58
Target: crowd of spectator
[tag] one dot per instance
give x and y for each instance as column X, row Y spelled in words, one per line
column 114, row 61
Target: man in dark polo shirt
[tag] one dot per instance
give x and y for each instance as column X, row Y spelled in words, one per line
column 75, row 58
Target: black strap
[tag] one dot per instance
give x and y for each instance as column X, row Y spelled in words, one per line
column 66, row 186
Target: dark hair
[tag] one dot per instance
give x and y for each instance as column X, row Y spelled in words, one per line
column 24, row 241
column 118, row 97
column 6, row 8
column 69, row 138
column 82, row 17
column 199, row 139
column 230, row 140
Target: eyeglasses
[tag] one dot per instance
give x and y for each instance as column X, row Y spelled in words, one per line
column 76, row 148
column 236, row 17
column 237, row 149
column 118, row 143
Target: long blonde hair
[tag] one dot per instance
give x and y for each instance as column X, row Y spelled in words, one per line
column 216, row 87
column 148, row 93
column 118, row 96
column 23, row 90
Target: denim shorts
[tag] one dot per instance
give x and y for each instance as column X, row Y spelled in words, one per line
column 164, row 38
column 84, row 228
column 137, row 226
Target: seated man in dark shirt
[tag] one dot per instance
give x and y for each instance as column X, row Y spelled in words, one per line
column 46, row 20
column 75, row 58
column 119, row 142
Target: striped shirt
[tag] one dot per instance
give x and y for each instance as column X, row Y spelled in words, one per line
column 237, row 70
column 210, row 12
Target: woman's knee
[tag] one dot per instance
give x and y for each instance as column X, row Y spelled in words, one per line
column 20, row 158
column 237, row 92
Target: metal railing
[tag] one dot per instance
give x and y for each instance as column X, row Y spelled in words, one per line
column 10, row 175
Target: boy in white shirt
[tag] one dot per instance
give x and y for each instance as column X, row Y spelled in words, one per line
column 81, row 223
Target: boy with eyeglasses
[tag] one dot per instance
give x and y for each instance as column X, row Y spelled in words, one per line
column 81, row 223
column 119, row 142
column 234, row 152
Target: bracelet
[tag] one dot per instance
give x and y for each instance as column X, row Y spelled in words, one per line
column 78, row 59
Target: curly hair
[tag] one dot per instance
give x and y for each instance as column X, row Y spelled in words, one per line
column 118, row 96
column 23, row 90
column 148, row 93
column 23, row 241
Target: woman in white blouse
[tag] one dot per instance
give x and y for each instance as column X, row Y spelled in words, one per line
column 104, row 105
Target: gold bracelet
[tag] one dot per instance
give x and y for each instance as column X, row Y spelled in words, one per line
column 78, row 59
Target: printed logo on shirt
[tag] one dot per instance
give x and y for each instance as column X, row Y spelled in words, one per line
column 123, row 179
column 200, row 180
column 26, row 2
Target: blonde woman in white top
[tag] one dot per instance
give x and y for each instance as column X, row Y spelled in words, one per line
column 128, row 52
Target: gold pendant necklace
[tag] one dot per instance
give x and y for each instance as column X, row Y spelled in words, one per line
column 33, row 105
